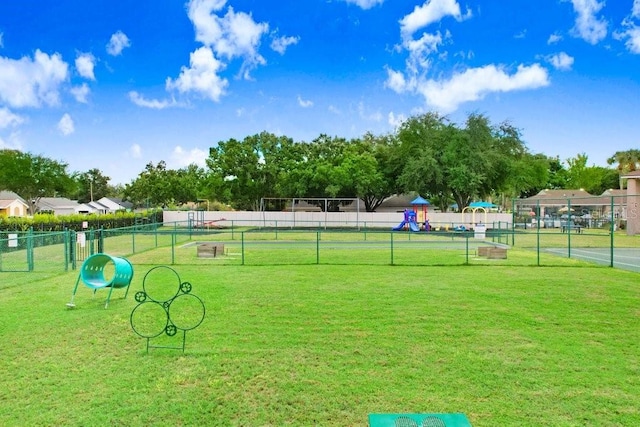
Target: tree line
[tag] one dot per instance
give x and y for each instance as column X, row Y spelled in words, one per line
column 428, row 154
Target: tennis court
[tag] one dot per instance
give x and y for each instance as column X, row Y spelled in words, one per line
column 623, row 258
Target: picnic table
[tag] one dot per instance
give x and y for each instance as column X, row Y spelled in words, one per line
column 566, row 227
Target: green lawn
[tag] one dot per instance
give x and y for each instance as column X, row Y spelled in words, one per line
column 326, row 345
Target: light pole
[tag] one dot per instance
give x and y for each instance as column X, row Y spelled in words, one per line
column 204, row 200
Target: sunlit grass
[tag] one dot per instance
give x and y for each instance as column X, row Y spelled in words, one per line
column 328, row 344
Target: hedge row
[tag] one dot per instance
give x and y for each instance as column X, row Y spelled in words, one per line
column 79, row 222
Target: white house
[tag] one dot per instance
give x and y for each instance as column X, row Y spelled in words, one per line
column 114, row 205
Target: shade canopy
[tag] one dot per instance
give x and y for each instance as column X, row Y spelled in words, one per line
column 420, row 201
column 482, row 205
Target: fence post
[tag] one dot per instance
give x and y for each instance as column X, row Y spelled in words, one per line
column 101, row 240
column 568, row 228
column 173, row 248
column 317, row 247
column 241, row 245
column 467, row 247
column 30, row 265
column 538, row 233
column 66, row 249
column 612, row 230
column 391, row 233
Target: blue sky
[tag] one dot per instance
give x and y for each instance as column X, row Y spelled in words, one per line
column 117, row 84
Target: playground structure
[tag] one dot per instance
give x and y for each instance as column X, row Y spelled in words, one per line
column 477, row 207
column 104, row 271
column 416, row 216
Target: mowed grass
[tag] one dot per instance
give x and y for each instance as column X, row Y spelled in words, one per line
column 326, row 345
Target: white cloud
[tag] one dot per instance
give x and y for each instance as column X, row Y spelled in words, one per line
column 396, row 120
column 588, row 26
column 631, row 35
column 201, row 77
column 554, row 38
column 135, row 151
column 304, row 103
column 335, row 110
column 521, row 35
column 9, row 119
column 419, row 50
column 13, row 142
column 85, row 62
column 396, row 81
column 80, row 93
column 375, row 116
column 561, row 61
column 155, row 104
column 27, row 82
column 431, row 11
column 365, row 4
column 234, row 35
column 117, row 43
column 181, row 158
column 65, row 125
column 632, row 31
column 280, row 44
column 472, row 84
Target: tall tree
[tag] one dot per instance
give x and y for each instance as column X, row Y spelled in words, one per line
column 92, row 185
column 33, row 176
column 592, row 179
column 247, row 171
column 152, row 187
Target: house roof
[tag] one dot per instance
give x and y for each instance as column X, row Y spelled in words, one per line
column 577, row 198
column 10, row 195
column 57, row 203
column 97, row 206
column 557, row 197
column 115, row 204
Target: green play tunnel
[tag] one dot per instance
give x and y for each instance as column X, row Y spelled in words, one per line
column 102, row 270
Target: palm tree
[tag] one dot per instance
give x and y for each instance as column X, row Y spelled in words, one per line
column 628, row 161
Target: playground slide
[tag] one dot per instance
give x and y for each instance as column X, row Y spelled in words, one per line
column 399, row 227
column 413, row 226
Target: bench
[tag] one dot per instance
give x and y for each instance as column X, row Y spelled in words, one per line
column 210, row 250
column 492, row 252
column 577, row 228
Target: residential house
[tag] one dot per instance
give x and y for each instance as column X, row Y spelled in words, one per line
column 13, row 205
column 61, row 206
column 114, row 205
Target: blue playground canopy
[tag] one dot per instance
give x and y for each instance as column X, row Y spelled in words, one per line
column 420, row 201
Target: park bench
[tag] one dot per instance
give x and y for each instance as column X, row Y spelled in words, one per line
column 210, row 250
column 566, row 227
